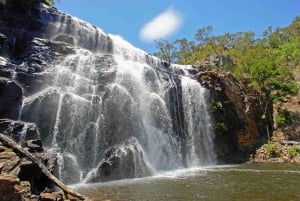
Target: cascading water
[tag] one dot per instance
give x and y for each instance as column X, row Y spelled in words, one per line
column 198, row 128
column 108, row 92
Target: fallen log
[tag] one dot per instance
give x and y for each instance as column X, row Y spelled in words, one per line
column 12, row 144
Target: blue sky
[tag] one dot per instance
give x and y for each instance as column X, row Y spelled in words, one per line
column 141, row 21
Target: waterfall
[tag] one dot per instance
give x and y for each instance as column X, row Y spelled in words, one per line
column 109, row 101
column 197, row 121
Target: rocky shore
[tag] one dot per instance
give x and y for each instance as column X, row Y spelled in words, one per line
column 26, row 173
column 284, row 145
column 278, row 152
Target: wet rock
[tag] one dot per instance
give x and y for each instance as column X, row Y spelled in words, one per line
column 70, row 171
column 65, row 38
column 19, row 130
column 43, row 108
column 33, row 145
column 11, row 96
column 122, row 161
column 122, row 118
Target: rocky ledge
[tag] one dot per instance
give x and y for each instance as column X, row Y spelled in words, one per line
column 278, row 152
column 26, row 173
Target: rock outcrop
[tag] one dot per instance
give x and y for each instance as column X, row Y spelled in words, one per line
column 19, row 130
column 126, row 160
column 284, row 146
column 11, row 97
column 22, row 173
column 19, row 176
column 242, row 116
column 277, row 152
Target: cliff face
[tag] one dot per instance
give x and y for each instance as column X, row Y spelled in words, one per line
column 242, row 117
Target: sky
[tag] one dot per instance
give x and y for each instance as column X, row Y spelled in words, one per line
column 140, row 22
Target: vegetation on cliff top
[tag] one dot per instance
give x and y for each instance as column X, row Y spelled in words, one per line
column 266, row 62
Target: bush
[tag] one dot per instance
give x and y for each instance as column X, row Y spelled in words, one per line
column 8, row 150
column 293, row 151
column 221, row 127
column 272, row 150
column 284, row 118
column 216, row 105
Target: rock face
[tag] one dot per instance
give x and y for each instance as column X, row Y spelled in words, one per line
column 122, row 161
column 242, row 117
column 215, row 60
column 10, row 99
column 19, row 130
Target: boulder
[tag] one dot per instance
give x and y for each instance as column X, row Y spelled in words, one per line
column 8, row 191
column 42, row 110
column 10, row 163
column 11, row 96
column 18, row 130
column 54, row 196
column 125, row 160
column 33, row 145
column 65, row 38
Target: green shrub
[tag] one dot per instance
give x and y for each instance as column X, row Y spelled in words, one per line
column 48, row 2
column 263, row 117
column 9, row 150
column 272, row 150
column 284, row 118
column 293, row 151
column 216, row 105
column 290, row 88
column 277, row 97
column 221, row 127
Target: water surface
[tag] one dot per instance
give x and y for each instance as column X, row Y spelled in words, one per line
column 264, row 182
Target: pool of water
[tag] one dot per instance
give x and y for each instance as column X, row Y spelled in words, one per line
column 259, row 182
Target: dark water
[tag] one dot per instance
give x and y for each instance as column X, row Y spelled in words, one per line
column 267, row 182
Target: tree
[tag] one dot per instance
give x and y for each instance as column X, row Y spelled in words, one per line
column 202, row 34
column 244, row 41
column 184, row 49
column 166, row 50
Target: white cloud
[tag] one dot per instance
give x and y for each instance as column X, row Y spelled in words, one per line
column 162, row 26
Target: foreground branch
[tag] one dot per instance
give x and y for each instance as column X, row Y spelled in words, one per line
column 12, row 144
